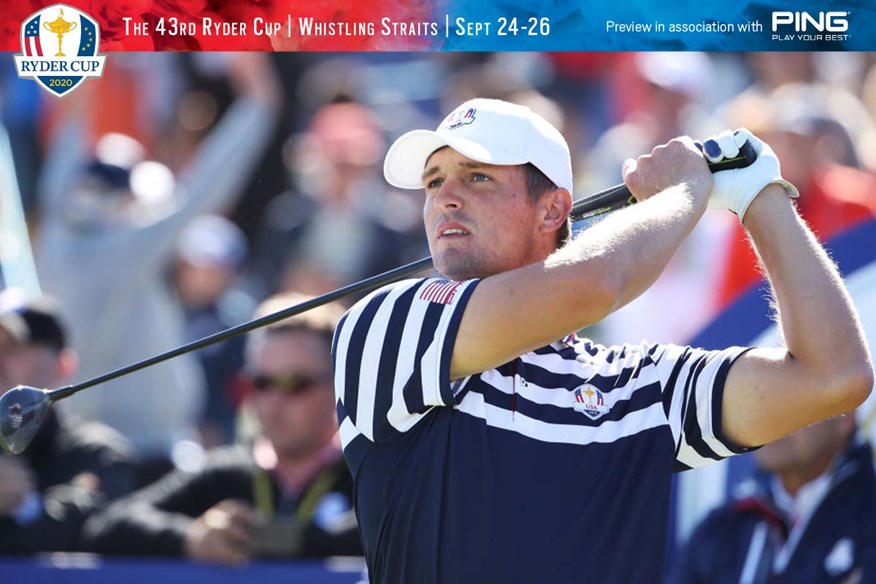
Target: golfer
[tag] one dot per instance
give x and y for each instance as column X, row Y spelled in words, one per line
column 487, row 442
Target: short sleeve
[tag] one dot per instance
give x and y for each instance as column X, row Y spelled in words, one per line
column 692, row 382
column 391, row 355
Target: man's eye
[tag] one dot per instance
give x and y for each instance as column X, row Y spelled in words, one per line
column 434, row 183
column 478, row 177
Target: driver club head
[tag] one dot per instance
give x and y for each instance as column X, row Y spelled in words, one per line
column 22, row 410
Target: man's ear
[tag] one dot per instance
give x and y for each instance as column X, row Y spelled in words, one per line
column 68, row 365
column 556, row 205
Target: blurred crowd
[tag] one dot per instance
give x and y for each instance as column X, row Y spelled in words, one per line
column 182, row 194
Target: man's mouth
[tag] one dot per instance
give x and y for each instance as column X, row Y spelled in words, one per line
column 452, row 230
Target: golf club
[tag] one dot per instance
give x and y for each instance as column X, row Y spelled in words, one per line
column 23, row 408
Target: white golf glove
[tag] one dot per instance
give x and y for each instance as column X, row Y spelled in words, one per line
column 736, row 189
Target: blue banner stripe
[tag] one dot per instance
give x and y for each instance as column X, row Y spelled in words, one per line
column 643, row 25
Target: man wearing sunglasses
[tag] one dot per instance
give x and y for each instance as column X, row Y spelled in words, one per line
column 288, row 494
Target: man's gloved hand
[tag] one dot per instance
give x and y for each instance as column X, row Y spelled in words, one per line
column 736, row 189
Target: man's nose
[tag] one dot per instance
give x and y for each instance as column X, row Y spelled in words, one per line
column 449, row 195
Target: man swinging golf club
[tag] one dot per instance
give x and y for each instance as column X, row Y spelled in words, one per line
column 487, row 442
column 23, row 408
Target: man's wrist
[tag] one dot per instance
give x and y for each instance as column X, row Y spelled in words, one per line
column 769, row 197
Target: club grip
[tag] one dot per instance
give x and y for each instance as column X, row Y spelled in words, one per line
column 619, row 196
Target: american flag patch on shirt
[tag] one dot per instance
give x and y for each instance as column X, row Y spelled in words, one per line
column 440, row 291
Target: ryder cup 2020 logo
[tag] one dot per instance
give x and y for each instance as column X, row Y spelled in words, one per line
column 59, row 48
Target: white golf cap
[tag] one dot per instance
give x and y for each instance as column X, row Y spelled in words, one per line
column 487, row 130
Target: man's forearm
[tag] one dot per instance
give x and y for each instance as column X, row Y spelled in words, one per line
column 819, row 324
column 637, row 244
column 128, row 528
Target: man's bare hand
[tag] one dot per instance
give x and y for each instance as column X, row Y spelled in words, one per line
column 223, row 534
column 678, row 162
column 254, row 74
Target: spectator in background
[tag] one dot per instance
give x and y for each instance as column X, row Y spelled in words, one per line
column 69, row 469
column 835, row 76
column 211, row 253
column 805, row 516
column 817, row 155
column 108, row 236
column 772, row 70
column 579, row 86
column 868, row 99
column 673, row 88
column 20, row 109
column 286, row 495
column 348, row 225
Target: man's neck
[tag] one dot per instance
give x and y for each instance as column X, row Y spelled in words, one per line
column 294, row 472
column 795, row 479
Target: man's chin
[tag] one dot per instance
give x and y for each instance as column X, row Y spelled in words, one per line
column 456, row 270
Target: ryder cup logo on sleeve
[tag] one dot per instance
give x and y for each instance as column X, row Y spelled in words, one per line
column 59, row 49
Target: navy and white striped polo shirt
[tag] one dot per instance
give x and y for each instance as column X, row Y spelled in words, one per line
column 552, row 468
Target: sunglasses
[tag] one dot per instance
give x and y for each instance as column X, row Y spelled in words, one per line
column 291, row 383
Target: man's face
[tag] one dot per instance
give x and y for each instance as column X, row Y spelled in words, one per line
column 295, row 403
column 200, row 285
column 479, row 218
column 92, row 205
column 28, row 364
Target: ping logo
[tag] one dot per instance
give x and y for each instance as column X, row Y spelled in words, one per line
column 805, row 21
column 460, row 118
column 590, row 402
column 59, row 49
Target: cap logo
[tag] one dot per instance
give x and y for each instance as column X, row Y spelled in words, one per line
column 461, row 118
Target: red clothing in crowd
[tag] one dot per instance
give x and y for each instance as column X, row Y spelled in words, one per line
column 837, row 199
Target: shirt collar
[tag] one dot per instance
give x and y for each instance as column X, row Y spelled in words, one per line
column 567, row 341
column 806, row 499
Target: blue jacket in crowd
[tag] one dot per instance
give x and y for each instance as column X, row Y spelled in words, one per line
column 749, row 540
